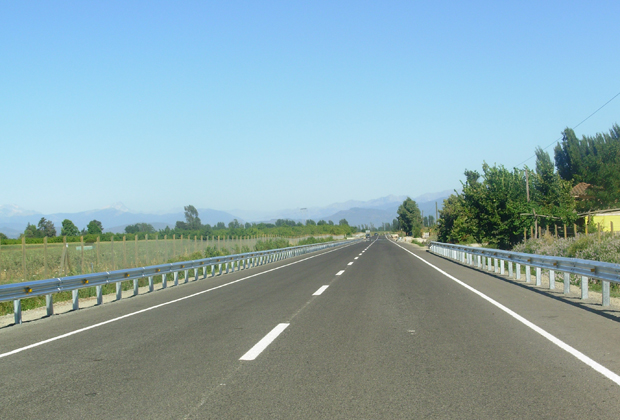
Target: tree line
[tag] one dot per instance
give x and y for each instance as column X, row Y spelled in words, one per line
column 498, row 205
column 191, row 226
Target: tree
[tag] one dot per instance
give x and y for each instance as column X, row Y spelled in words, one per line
column 220, row 225
column 46, row 228
column 140, row 228
column 31, row 231
column 234, row 224
column 594, row 160
column 343, row 222
column 192, row 220
column 3, row 236
column 410, row 218
column 321, row 223
column 69, row 229
column 94, row 227
column 310, row 222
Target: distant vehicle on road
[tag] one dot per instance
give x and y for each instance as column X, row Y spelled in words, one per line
column 368, row 236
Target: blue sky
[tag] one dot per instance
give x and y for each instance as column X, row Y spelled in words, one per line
column 269, row 105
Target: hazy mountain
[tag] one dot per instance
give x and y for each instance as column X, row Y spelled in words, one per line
column 114, row 218
column 13, row 220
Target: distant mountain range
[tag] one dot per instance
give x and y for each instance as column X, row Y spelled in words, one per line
column 115, row 218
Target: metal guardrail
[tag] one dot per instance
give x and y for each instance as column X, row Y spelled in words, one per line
column 495, row 259
column 18, row 291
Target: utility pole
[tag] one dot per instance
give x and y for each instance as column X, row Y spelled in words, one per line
column 527, row 184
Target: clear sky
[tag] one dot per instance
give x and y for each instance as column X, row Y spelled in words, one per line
column 265, row 105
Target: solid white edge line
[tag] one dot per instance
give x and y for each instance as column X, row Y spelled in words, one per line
column 321, row 290
column 264, row 342
column 90, row 327
column 340, row 273
column 579, row 355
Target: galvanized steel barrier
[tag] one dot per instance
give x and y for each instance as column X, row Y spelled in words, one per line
column 496, row 260
column 224, row 264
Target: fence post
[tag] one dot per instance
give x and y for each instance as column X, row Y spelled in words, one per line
column 23, row 262
column 82, row 254
column 45, row 257
column 135, row 250
column 565, row 235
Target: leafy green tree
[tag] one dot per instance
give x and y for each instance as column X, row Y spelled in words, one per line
column 3, row 236
column 234, row 224
column 343, row 222
column 310, row 222
column 220, row 225
column 94, row 227
column 69, row 229
column 140, row 228
column 594, row 160
column 31, row 231
column 192, row 220
column 46, row 228
column 321, row 223
column 410, row 217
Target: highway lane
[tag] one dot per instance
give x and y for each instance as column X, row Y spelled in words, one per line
column 390, row 337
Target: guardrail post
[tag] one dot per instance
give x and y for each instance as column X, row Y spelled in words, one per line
column 76, row 301
column 510, row 271
column 119, row 290
column 551, row 279
column 518, row 270
column 164, row 280
column 496, row 263
column 49, row 304
column 186, row 277
column 195, row 274
column 528, row 274
column 212, row 270
column 135, row 287
column 566, row 283
column 584, row 287
column 220, row 265
column 99, row 293
column 151, row 287
column 606, row 293
column 17, row 311
column 479, row 261
column 227, row 267
column 538, row 276
column 502, row 269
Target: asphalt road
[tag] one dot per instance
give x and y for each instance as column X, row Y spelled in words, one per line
column 391, row 337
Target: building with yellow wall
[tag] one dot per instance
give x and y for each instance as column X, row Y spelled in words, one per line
column 606, row 219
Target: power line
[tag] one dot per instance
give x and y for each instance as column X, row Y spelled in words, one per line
column 587, row 118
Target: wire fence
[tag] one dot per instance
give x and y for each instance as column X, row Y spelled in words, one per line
column 26, row 262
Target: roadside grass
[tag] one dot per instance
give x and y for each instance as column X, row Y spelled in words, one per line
column 207, row 252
